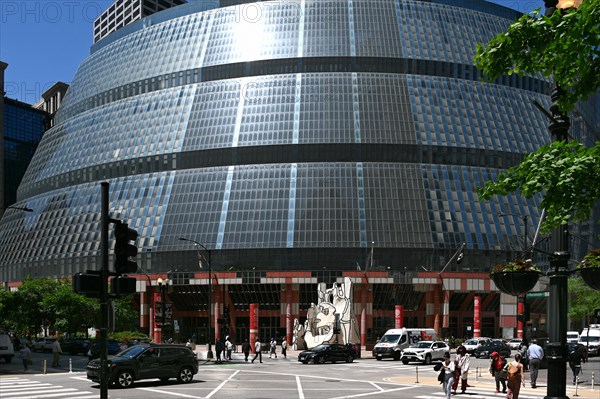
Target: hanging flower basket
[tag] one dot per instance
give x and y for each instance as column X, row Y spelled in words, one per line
column 515, row 278
column 589, row 269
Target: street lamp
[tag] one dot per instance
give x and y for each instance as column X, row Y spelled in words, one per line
column 163, row 286
column 556, row 350
column 209, row 354
column 525, row 219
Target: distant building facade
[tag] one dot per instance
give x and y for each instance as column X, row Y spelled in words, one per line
column 22, row 127
column 51, row 100
column 124, row 12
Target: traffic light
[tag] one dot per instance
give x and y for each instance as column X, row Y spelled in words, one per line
column 87, row 284
column 124, row 249
column 122, row 286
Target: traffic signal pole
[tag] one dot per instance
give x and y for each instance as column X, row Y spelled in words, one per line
column 104, row 273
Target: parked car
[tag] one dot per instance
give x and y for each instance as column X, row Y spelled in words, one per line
column 424, row 351
column 43, row 344
column 74, row 346
column 484, row 351
column 7, row 350
column 515, row 343
column 474, row 343
column 147, row 361
column 328, row 353
column 113, row 347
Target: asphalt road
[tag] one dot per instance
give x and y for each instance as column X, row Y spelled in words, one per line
column 273, row 379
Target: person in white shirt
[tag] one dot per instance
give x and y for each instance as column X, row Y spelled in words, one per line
column 257, row 349
column 56, row 352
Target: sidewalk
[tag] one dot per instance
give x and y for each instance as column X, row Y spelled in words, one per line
column 426, row 376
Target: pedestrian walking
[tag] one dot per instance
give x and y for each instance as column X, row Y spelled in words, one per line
column 463, row 360
column 258, row 350
column 516, row 377
column 497, row 364
column 273, row 350
column 228, row 348
column 284, row 347
column 523, row 351
column 535, row 353
column 219, row 350
column 56, row 352
column 246, row 349
column 189, row 343
column 449, row 367
column 575, row 359
column 25, row 354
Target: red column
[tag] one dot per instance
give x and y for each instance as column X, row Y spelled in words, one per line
column 289, row 323
column 436, row 310
column 399, row 317
column 157, row 318
column 253, row 324
column 446, row 310
column 216, row 316
column 144, row 322
column 477, row 317
column 520, row 325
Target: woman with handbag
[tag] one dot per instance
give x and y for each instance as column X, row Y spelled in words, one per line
column 497, row 364
column 462, row 369
column 516, row 377
column 448, row 368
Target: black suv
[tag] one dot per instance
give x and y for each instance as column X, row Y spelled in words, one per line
column 147, row 361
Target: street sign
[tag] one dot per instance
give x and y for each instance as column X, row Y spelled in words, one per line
column 540, row 294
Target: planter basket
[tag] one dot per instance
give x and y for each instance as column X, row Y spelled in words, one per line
column 591, row 276
column 515, row 282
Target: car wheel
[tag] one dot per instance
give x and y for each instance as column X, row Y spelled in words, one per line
column 378, row 358
column 124, row 379
column 304, row 361
column 185, row 375
column 397, row 355
column 321, row 360
column 404, row 361
column 349, row 359
column 427, row 359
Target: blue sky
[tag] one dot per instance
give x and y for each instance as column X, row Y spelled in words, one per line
column 44, row 41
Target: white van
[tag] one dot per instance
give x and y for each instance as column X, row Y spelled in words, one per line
column 590, row 338
column 572, row 337
column 7, row 351
column 394, row 340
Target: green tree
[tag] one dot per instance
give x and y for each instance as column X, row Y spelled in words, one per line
column 26, row 313
column 566, row 47
column 71, row 312
column 126, row 316
column 583, row 300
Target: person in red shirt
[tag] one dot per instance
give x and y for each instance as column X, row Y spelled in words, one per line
column 497, row 364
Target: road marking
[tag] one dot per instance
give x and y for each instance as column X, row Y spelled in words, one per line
column 299, row 385
column 179, row 395
column 373, row 393
column 214, row 391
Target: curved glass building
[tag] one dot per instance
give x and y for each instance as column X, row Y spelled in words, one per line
column 284, row 136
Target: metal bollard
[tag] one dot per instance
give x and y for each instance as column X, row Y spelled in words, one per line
column 44, row 367
column 592, row 380
column 477, row 374
column 417, row 372
column 70, row 365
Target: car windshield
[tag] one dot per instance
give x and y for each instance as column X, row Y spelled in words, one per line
column 590, row 339
column 131, row 352
column 320, row 348
column 390, row 339
column 471, row 342
column 423, row 344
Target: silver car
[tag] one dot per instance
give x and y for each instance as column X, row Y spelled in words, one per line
column 424, row 352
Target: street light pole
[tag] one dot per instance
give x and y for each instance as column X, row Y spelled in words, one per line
column 209, row 354
column 163, row 286
column 556, row 350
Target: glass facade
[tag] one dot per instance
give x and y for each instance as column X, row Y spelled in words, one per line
column 286, row 135
column 22, row 131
